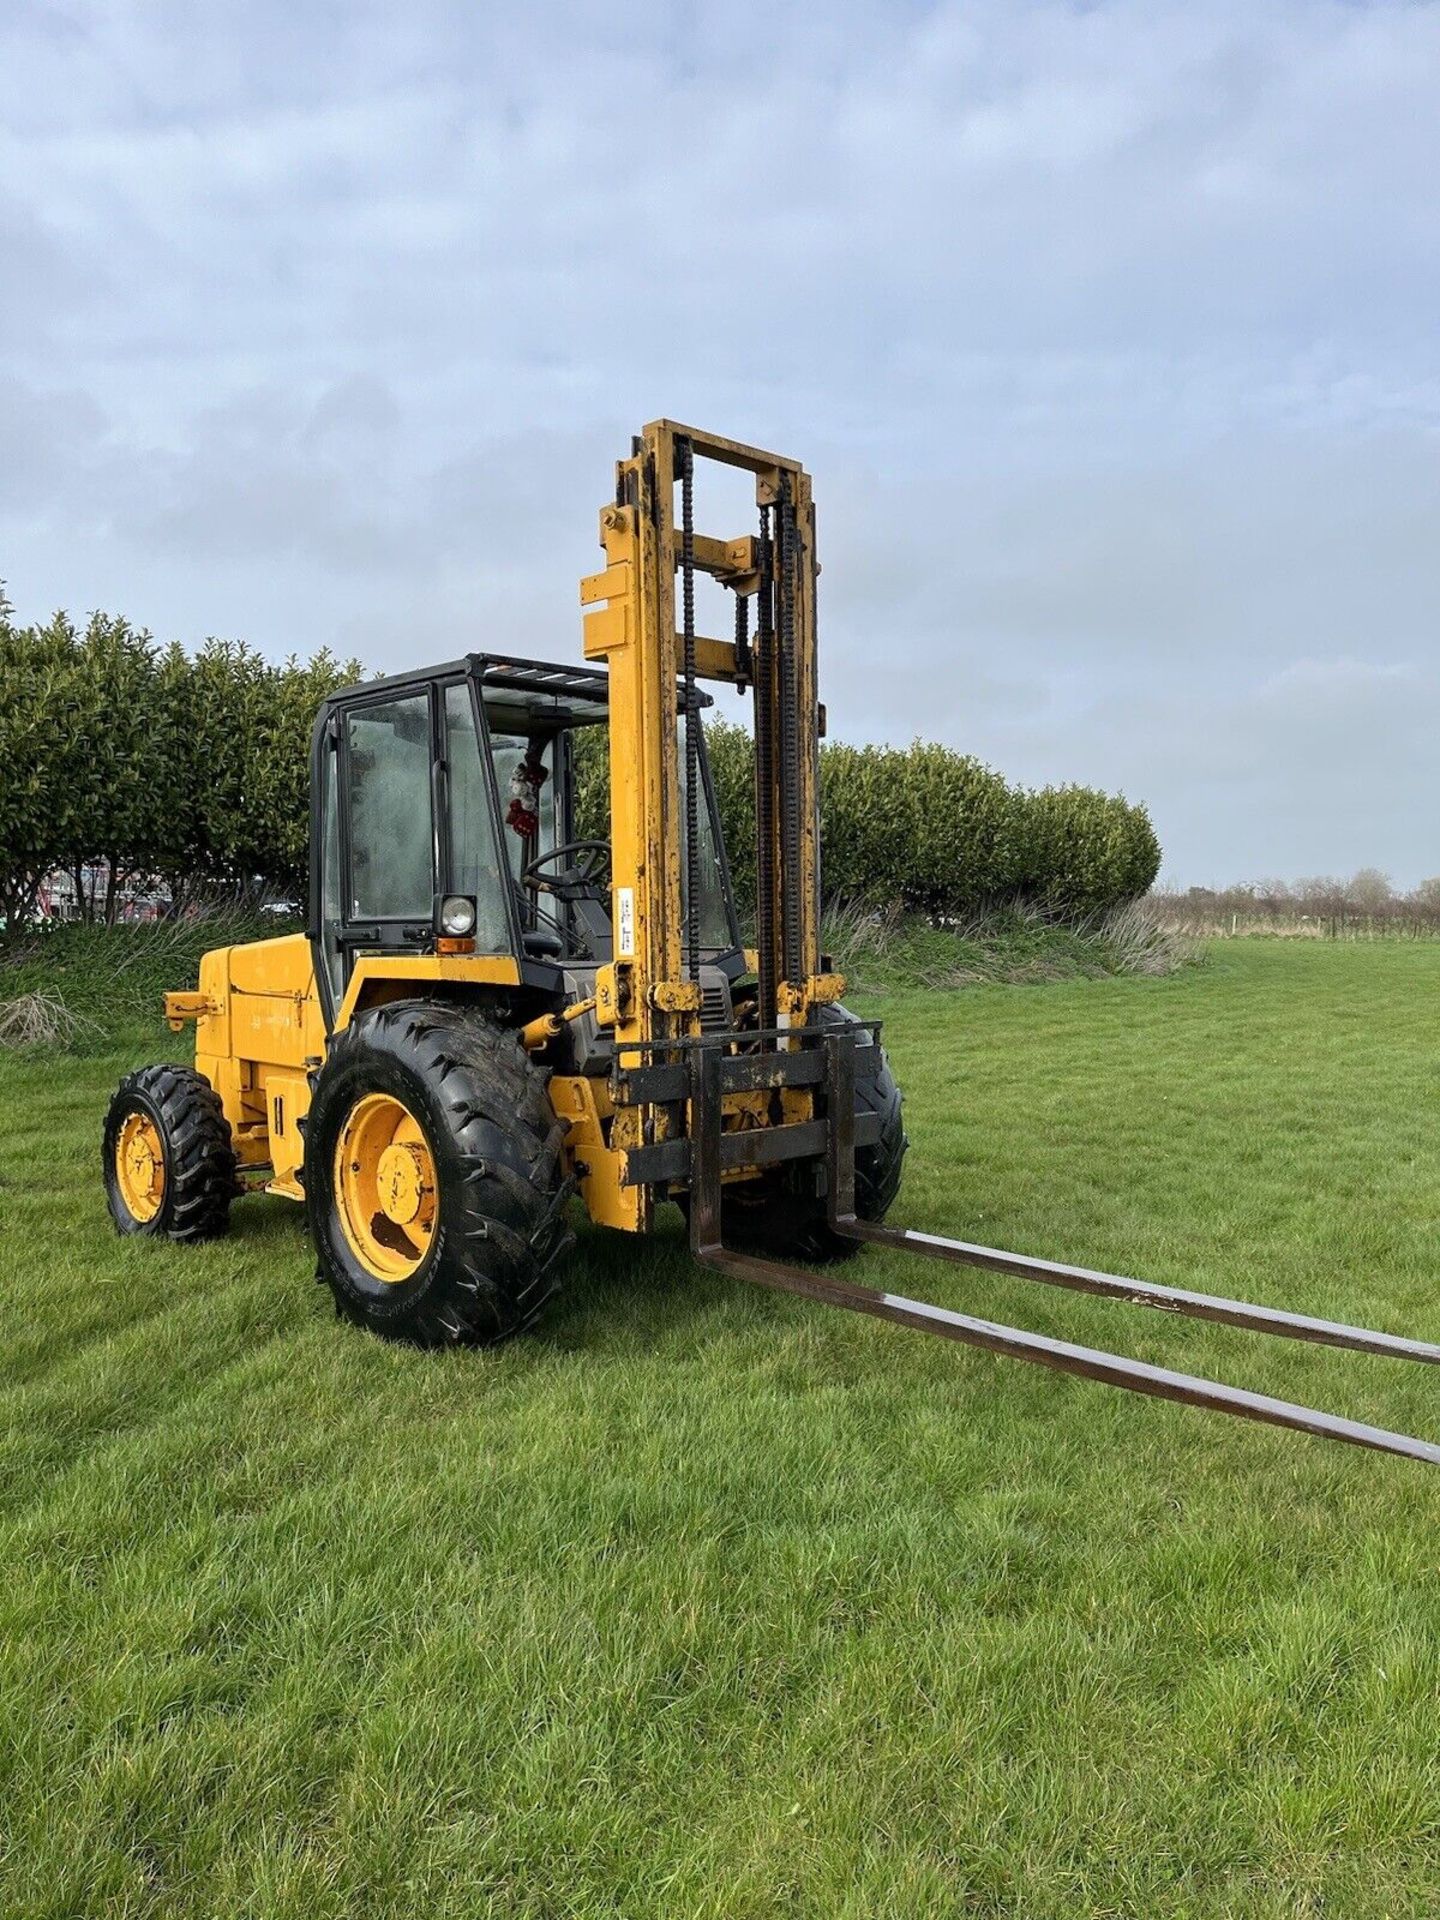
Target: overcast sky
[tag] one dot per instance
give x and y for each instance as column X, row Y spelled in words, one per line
column 1109, row 333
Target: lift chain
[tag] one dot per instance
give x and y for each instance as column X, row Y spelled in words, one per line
column 789, row 743
column 685, row 455
column 742, row 642
column 764, row 681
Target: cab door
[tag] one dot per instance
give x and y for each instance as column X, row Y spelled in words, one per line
column 406, row 817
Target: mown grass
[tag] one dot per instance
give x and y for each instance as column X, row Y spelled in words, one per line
column 704, row 1602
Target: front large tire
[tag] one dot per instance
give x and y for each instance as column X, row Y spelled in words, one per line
column 783, row 1214
column 434, row 1178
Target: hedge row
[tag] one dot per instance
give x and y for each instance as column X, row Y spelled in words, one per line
column 930, row 828
column 187, row 769
column 193, row 770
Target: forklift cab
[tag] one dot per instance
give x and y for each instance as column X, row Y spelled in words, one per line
column 445, row 812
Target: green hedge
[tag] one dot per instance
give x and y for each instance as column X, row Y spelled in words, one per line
column 187, row 769
column 928, row 827
column 1082, row 850
column 194, row 770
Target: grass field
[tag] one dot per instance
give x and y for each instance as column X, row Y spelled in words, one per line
column 708, row 1603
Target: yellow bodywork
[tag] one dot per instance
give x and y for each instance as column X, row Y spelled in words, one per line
column 260, row 1036
column 260, row 1032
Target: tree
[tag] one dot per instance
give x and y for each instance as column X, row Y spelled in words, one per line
column 1369, row 891
column 1320, row 896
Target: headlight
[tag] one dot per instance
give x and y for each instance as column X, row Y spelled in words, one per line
column 457, row 915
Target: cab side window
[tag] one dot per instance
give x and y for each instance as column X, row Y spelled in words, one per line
column 391, row 831
column 511, row 751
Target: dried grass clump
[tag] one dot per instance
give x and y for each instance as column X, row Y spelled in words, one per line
column 854, row 930
column 39, row 1020
column 1015, row 943
column 1142, row 945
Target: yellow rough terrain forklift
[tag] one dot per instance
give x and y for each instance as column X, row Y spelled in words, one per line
column 490, row 1014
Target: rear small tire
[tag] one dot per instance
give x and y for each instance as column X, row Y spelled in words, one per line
column 783, row 1214
column 477, row 1263
column 167, row 1156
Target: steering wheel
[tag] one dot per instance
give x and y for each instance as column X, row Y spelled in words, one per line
column 591, row 865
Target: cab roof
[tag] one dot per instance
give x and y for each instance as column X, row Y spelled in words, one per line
column 582, row 693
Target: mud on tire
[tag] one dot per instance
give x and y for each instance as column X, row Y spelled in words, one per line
column 198, row 1158
column 499, row 1231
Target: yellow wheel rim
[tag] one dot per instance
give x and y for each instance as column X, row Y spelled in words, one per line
column 385, row 1187
column 140, row 1166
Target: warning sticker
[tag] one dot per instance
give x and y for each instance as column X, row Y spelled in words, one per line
column 624, row 923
